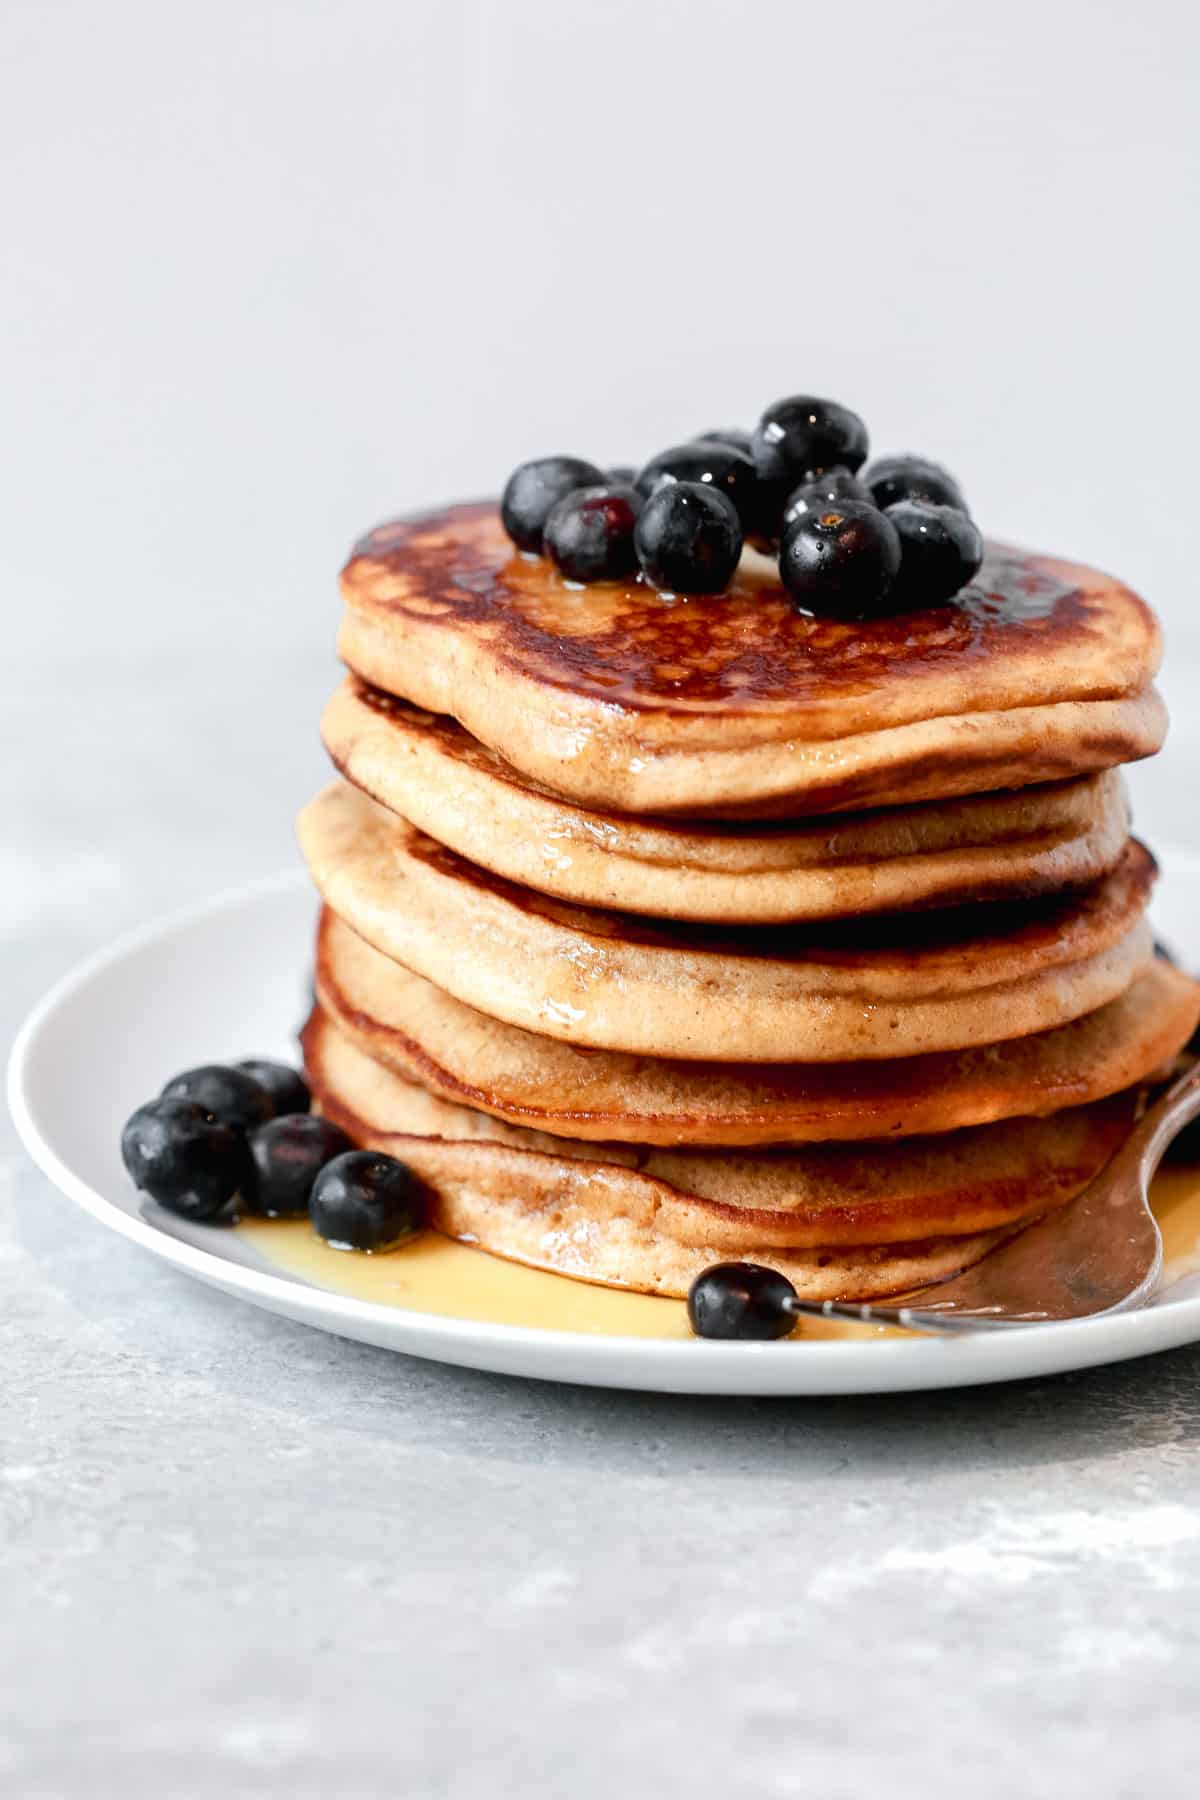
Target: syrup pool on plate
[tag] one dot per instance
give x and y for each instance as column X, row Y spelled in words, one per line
column 433, row 1274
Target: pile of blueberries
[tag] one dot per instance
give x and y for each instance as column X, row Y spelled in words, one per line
column 851, row 545
column 228, row 1138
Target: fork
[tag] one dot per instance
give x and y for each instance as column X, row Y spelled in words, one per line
column 1101, row 1253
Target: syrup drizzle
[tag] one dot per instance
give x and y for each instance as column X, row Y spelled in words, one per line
column 626, row 643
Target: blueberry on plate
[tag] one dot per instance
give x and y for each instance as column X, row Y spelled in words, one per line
column 286, row 1156
column 831, row 486
column 589, row 534
column 182, row 1156
column 893, row 478
column 735, row 436
column 799, row 438
column 364, row 1200
column 841, row 563
column 621, row 475
column 286, row 1086
column 231, row 1094
column 941, row 551
column 710, row 463
column 740, row 1300
column 535, row 488
column 688, row 538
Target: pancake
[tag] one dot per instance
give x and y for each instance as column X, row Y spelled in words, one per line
column 424, row 1035
column 1002, row 846
column 840, row 1220
column 877, row 988
column 625, row 699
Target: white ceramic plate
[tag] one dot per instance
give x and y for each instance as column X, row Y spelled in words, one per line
column 229, row 979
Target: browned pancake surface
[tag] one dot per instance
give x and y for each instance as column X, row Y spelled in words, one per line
column 1030, row 628
column 736, row 705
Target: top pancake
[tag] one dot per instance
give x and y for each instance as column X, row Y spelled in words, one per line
column 620, row 696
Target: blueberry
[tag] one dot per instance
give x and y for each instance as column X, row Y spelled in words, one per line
column 621, row 475
column 533, row 491
column 740, row 1300
column 232, row 1094
column 688, row 538
column 841, row 562
column 286, row 1156
column 942, row 551
column 799, row 438
column 183, row 1157
column 287, row 1088
column 827, row 489
column 589, row 534
column 720, row 466
column 739, row 439
column 364, row 1200
column 893, row 478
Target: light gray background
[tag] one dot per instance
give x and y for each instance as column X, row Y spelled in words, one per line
column 271, row 273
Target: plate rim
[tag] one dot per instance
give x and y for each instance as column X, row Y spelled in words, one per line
column 589, row 1357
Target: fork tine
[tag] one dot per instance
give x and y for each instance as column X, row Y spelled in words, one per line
column 912, row 1318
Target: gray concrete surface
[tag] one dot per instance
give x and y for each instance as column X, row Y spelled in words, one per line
column 241, row 1558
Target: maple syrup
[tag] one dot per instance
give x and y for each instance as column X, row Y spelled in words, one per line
column 433, row 1274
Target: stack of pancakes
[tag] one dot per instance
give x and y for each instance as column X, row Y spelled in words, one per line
column 659, row 932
